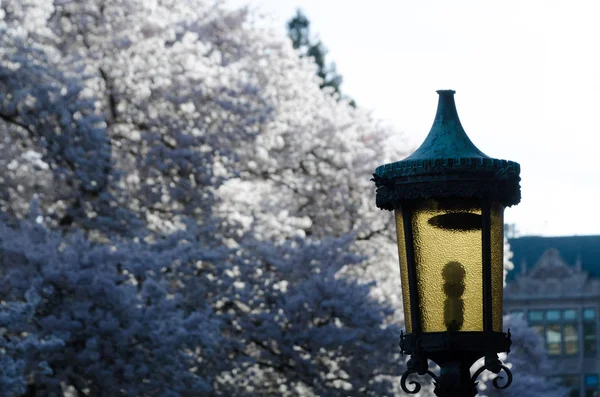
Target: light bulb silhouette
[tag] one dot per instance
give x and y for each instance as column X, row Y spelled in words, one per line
column 453, row 274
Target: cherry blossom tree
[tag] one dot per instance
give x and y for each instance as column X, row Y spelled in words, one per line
column 137, row 127
column 172, row 318
column 187, row 103
column 100, row 319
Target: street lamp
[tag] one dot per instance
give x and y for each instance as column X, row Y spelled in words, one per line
column 449, row 200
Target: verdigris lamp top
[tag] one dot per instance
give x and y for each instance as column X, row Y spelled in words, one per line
column 447, row 164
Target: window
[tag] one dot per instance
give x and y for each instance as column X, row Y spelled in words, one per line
column 589, row 332
column 572, row 383
column 589, row 314
column 571, row 339
column 535, row 315
column 552, row 315
column 591, row 385
column 560, row 330
column 553, row 340
column 589, row 339
column 570, row 332
column 570, row 315
column 591, row 380
column 539, row 329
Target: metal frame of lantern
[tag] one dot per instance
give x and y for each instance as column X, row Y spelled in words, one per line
column 448, row 166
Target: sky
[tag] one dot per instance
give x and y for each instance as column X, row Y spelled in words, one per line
column 526, row 75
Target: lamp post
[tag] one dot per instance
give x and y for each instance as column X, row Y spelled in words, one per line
column 449, row 198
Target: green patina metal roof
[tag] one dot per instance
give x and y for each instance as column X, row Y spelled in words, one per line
column 447, row 137
column 571, row 248
column 447, row 164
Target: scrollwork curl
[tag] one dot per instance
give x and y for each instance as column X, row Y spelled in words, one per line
column 417, row 385
column 509, row 377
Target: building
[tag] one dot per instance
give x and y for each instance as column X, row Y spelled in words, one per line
column 556, row 286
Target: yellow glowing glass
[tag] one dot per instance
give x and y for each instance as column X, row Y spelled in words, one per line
column 403, row 270
column 447, row 243
column 497, row 248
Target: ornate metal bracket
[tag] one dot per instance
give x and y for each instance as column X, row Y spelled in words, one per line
column 455, row 378
column 493, row 364
column 419, row 365
column 417, row 385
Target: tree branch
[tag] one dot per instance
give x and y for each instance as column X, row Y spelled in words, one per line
column 13, row 120
column 112, row 102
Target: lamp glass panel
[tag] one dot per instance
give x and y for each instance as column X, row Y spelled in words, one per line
column 403, row 270
column 497, row 251
column 448, row 260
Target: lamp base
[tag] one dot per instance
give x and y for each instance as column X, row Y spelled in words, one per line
column 455, row 378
